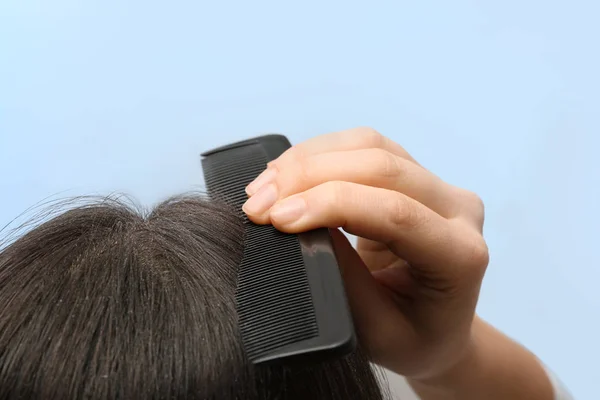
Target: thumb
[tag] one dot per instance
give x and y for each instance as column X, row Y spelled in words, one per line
column 377, row 318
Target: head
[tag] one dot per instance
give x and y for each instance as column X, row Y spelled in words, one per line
column 106, row 301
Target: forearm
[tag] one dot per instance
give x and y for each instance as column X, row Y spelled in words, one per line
column 495, row 368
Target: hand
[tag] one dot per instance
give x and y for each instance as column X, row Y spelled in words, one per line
column 414, row 281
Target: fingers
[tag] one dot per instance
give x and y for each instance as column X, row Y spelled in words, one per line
column 431, row 244
column 351, row 139
column 372, row 167
column 363, row 156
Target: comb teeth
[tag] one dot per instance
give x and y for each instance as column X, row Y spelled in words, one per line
column 227, row 176
column 274, row 301
column 275, row 307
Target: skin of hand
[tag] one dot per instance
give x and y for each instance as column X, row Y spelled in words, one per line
column 413, row 280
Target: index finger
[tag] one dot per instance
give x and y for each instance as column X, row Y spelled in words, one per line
column 434, row 246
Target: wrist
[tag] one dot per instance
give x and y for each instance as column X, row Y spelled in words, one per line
column 493, row 367
column 470, row 359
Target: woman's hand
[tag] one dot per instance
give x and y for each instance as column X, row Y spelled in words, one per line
column 414, row 281
column 414, row 288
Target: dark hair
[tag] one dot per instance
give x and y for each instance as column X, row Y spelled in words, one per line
column 105, row 301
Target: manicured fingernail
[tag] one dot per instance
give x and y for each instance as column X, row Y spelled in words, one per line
column 288, row 210
column 267, row 176
column 261, row 201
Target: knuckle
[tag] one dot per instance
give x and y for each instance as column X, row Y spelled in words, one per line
column 332, row 197
column 403, row 213
column 369, row 137
column 303, row 171
column 388, row 165
column 475, row 202
column 478, row 256
column 472, row 207
column 335, row 192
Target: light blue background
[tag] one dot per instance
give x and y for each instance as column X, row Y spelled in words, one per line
column 499, row 97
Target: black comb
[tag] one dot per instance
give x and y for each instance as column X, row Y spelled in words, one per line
column 290, row 295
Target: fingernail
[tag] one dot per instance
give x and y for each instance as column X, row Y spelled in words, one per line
column 262, row 200
column 267, row 176
column 288, row 210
